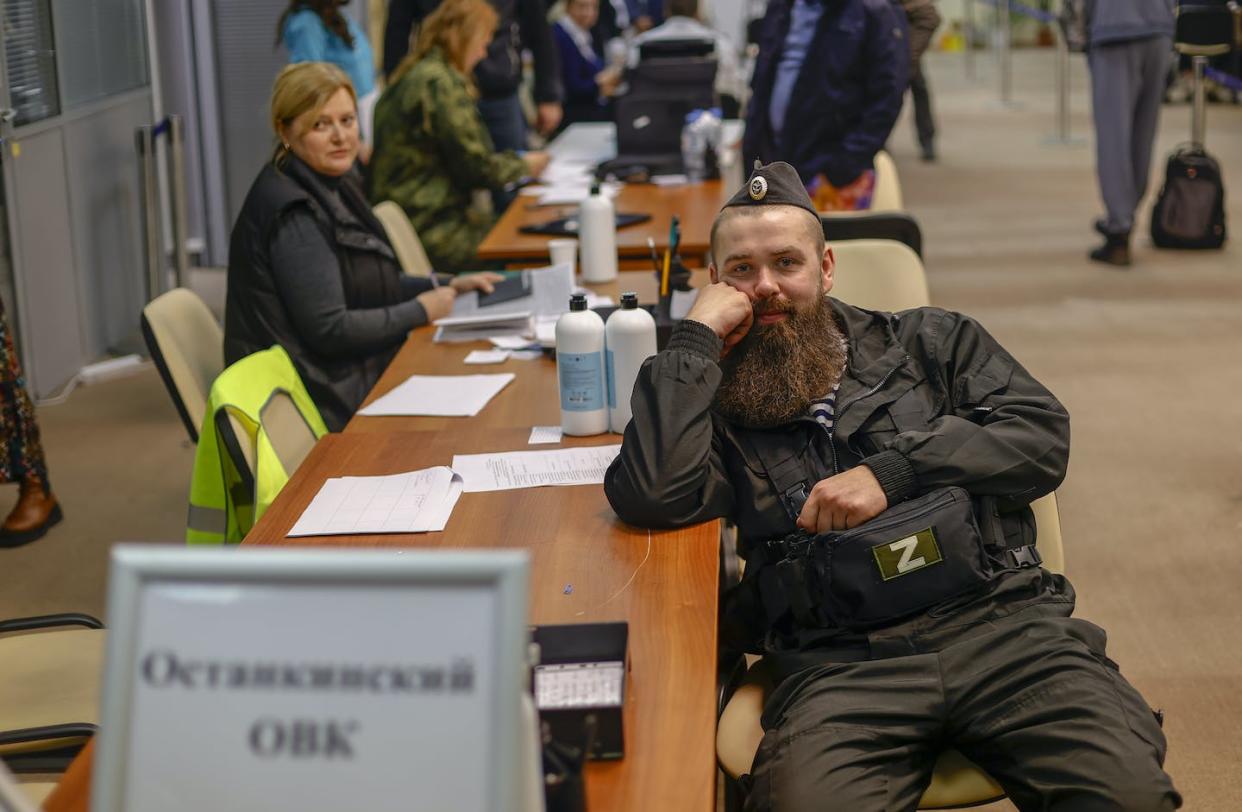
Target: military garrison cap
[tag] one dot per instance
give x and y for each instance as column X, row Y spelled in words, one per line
column 776, row 184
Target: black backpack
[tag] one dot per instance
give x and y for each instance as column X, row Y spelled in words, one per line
column 1190, row 210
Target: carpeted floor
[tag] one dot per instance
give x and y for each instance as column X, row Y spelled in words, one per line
column 1145, row 359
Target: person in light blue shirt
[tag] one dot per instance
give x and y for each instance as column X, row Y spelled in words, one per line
column 317, row 31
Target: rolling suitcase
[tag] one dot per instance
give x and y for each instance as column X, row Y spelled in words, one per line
column 1190, row 209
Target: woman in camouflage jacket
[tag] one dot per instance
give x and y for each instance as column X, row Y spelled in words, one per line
column 431, row 147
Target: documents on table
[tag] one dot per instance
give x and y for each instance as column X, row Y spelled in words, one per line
column 544, row 434
column 549, row 297
column 487, row 357
column 531, row 469
column 414, row 502
column 439, row 395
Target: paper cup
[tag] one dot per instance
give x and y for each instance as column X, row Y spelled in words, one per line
column 562, row 251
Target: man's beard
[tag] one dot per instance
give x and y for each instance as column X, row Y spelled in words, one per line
column 774, row 374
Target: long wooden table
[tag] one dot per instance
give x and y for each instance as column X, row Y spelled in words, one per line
column 585, row 566
column 590, row 143
column 697, row 204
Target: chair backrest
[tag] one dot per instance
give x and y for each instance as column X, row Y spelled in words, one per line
column 291, row 438
column 1048, row 526
column 1204, row 29
column 879, row 275
column 866, row 225
column 662, row 91
column 187, row 345
column 671, row 48
column 887, row 194
column 405, row 242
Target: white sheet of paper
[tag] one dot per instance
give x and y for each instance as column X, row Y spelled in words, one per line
column 526, row 355
column 487, row 357
column 413, row 502
column 670, row 180
column 511, row 342
column 532, row 469
column 544, row 434
column 439, row 395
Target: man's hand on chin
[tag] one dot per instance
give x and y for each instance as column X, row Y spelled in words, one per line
column 726, row 311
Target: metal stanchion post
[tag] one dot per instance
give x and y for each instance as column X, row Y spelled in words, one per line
column 1198, row 110
column 144, row 139
column 1062, row 89
column 969, row 37
column 1006, row 61
column 176, row 142
column 1062, row 135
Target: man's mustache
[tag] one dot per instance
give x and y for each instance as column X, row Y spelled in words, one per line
column 774, row 305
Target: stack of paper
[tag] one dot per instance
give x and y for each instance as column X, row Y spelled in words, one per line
column 438, row 395
column 532, row 469
column 415, row 502
column 549, row 297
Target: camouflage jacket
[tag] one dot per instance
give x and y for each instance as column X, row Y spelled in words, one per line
column 431, row 152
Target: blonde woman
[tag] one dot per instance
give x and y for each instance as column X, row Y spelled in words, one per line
column 431, row 147
column 310, row 267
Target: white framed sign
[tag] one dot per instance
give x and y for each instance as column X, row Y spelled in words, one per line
column 313, row 679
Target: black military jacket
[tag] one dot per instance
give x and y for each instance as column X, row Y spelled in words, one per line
column 928, row 399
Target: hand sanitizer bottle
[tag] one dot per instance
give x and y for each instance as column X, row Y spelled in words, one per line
column 630, row 339
column 597, row 230
column 580, row 369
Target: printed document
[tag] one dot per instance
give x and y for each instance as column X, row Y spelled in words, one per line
column 532, row 469
column 439, row 395
column 414, row 502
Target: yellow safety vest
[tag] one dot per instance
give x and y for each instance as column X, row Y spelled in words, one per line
column 223, row 507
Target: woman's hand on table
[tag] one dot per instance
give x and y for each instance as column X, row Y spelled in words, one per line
column 438, row 302
column 485, row 282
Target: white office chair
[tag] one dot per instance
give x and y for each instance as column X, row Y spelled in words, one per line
column 879, row 275
column 887, row 194
column 187, row 345
column 405, row 242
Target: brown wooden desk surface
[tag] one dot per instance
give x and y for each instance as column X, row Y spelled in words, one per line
column 696, row 204
column 585, row 566
column 530, row 400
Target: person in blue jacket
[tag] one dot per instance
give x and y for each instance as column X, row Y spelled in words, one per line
column 826, row 91
column 589, row 83
column 318, row 31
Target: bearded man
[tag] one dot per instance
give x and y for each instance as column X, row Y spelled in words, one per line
column 783, row 409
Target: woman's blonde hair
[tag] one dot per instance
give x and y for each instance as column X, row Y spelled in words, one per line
column 304, row 87
column 451, row 28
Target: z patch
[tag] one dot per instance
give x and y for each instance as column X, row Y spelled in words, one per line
column 907, row 555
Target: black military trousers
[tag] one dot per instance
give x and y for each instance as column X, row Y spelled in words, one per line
column 1030, row 697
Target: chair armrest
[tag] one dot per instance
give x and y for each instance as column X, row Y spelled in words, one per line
column 24, row 624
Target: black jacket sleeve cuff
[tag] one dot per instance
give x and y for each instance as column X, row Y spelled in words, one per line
column 894, row 473
column 695, row 338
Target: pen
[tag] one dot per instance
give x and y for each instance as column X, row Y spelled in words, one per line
column 668, row 255
column 655, row 257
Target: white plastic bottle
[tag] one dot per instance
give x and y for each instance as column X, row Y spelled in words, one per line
column 597, row 233
column 630, row 339
column 580, row 369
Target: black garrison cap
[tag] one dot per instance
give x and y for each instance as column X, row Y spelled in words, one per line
column 776, row 184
